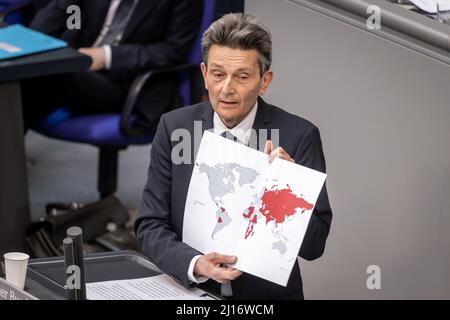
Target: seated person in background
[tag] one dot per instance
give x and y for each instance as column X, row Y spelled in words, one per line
column 237, row 53
column 124, row 38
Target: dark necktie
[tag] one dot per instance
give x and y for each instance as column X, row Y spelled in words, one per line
column 228, row 135
column 119, row 23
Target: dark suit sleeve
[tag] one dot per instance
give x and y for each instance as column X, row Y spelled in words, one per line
column 310, row 154
column 52, row 19
column 153, row 226
column 129, row 60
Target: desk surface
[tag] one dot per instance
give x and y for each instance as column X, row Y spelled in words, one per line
column 46, row 63
column 46, row 277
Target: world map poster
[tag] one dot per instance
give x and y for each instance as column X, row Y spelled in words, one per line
column 240, row 204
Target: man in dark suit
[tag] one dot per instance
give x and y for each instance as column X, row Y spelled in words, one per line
column 124, row 38
column 236, row 69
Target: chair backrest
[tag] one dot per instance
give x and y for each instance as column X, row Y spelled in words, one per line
column 12, row 10
column 187, row 88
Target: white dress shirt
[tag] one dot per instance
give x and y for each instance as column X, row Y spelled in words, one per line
column 242, row 132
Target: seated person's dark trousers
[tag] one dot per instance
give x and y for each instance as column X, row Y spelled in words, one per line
column 84, row 92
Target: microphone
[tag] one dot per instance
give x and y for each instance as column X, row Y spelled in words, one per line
column 76, row 234
column 69, row 261
column 225, row 290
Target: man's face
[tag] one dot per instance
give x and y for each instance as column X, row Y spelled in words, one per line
column 233, row 82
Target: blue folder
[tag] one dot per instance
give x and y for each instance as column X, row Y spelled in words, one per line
column 17, row 41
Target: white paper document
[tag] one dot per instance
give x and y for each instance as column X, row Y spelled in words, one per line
column 239, row 204
column 9, row 47
column 431, row 6
column 160, row 287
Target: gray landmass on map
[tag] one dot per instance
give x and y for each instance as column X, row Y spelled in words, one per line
column 280, row 246
column 246, row 175
column 226, row 220
column 221, row 180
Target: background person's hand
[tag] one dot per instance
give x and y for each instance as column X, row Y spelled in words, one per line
column 277, row 153
column 98, row 57
column 214, row 266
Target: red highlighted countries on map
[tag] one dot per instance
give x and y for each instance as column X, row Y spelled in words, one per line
column 275, row 205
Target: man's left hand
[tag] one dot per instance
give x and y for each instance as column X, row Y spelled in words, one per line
column 98, row 57
column 277, row 153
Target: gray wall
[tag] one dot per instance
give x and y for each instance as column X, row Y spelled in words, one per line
column 384, row 115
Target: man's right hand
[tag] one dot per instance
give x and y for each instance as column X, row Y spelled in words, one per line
column 214, row 266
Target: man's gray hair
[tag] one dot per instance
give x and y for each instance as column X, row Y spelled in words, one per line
column 239, row 31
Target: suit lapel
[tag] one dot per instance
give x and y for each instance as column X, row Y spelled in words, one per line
column 207, row 124
column 262, row 122
column 99, row 13
column 207, row 118
column 143, row 7
column 263, row 116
